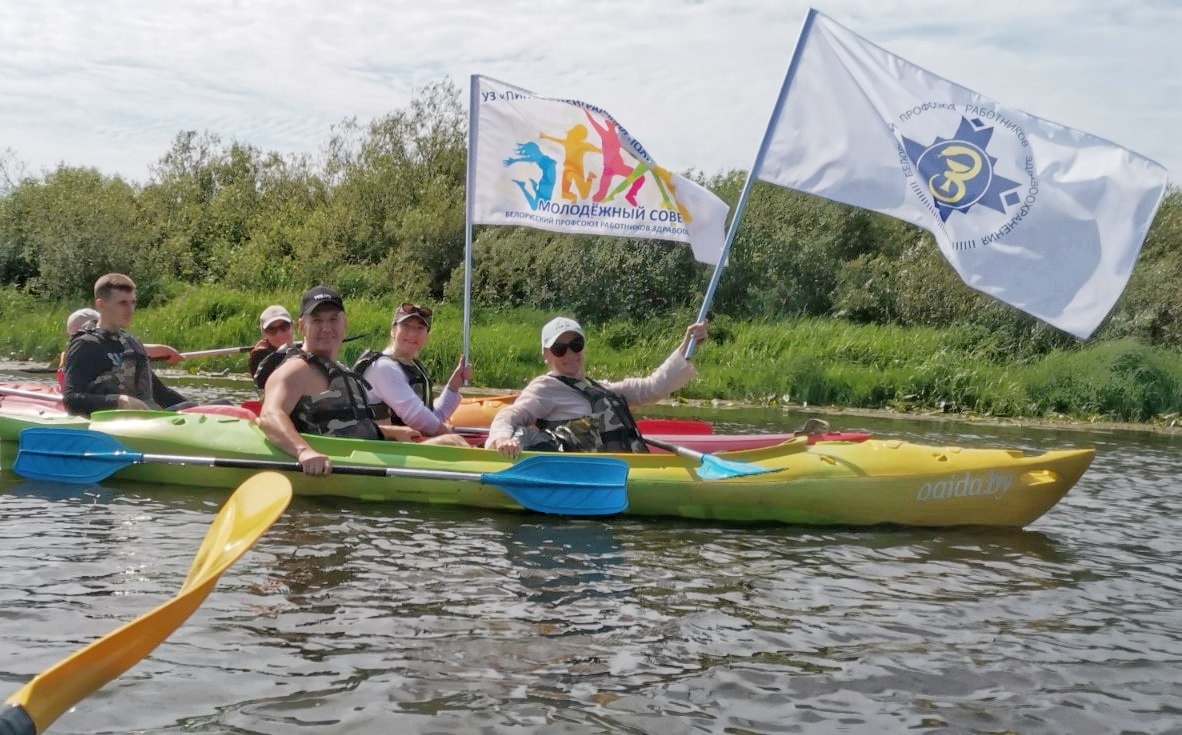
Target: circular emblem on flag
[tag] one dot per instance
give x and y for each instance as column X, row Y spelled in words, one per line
column 959, row 173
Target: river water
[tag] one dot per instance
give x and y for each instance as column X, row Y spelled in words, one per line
column 371, row 618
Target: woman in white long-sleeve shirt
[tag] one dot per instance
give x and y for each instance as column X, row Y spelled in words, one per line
column 567, row 411
column 400, row 381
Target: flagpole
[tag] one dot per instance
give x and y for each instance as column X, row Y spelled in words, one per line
column 473, row 106
column 742, row 203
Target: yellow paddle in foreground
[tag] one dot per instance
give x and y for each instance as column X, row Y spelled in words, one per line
column 246, row 516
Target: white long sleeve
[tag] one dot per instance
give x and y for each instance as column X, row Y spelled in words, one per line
column 389, row 386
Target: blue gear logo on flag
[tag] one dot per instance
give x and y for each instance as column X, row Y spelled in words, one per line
column 959, row 173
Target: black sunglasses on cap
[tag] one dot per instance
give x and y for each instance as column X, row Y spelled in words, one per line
column 576, row 346
column 407, row 310
column 414, row 310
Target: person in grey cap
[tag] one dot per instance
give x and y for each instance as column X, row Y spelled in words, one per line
column 564, row 410
column 278, row 330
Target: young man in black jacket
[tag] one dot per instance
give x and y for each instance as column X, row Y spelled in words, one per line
column 105, row 366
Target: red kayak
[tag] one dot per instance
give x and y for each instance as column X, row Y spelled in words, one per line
column 30, row 399
column 42, row 399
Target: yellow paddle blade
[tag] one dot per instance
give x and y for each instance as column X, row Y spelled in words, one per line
column 249, row 512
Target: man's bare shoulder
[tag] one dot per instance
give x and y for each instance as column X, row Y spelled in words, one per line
column 297, row 376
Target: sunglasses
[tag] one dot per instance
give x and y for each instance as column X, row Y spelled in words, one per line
column 277, row 328
column 576, row 346
column 415, row 309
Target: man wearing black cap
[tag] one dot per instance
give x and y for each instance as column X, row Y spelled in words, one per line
column 312, row 393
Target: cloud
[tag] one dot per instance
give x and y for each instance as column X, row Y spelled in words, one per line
column 111, row 84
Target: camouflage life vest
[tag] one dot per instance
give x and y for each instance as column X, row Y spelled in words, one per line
column 129, row 374
column 416, row 376
column 610, row 427
column 342, row 410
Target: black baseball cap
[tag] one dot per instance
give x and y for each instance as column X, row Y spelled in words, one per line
column 318, row 296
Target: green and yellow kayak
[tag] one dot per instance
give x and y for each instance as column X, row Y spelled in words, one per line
column 876, row 481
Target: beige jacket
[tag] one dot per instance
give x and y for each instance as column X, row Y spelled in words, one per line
column 548, row 398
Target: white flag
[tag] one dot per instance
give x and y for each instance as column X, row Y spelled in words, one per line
column 567, row 166
column 1040, row 216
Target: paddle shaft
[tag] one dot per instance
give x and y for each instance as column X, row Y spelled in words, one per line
column 679, row 451
column 35, row 395
column 213, row 353
column 711, row 467
column 237, row 350
column 14, row 720
column 275, row 464
column 496, row 478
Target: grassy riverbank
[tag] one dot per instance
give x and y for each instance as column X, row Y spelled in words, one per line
column 813, row 361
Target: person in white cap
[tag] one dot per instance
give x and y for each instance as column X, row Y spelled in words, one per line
column 79, row 320
column 564, row 410
column 275, row 324
column 75, row 323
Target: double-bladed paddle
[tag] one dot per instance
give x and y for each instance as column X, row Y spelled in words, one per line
column 558, row 484
column 220, row 351
column 246, row 516
column 710, row 467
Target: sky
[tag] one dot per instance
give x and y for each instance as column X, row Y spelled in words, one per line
column 110, row 84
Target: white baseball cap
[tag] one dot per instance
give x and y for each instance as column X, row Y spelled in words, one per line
column 272, row 314
column 557, row 327
column 80, row 320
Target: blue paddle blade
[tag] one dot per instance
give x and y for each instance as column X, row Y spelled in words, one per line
column 711, row 467
column 565, row 484
column 716, row 468
column 70, row 455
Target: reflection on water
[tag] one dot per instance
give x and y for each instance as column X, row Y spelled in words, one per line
column 353, row 617
column 561, row 562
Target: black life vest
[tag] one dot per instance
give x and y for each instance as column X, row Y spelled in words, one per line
column 130, row 373
column 611, row 427
column 416, row 376
column 342, row 410
column 271, row 360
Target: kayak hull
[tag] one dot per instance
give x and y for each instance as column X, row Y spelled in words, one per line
column 863, row 483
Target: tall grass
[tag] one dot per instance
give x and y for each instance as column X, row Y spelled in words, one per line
column 813, row 361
